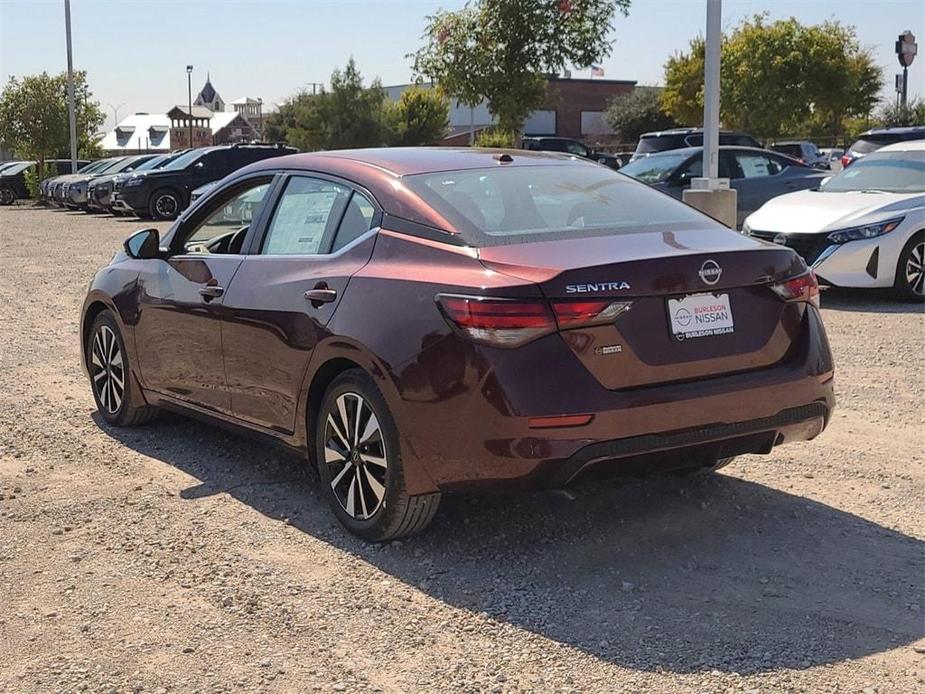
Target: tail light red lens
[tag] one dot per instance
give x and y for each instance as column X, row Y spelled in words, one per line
column 498, row 322
column 804, row 287
column 845, row 160
column 572, row 314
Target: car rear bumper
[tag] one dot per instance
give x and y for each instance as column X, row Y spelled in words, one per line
column 499, row 428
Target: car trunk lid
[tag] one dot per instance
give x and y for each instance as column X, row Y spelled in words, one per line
column 698, row 302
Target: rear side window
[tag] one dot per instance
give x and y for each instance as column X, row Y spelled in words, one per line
column 870, row 143
column 306, row 215
column 756, row 166
column 357, row 220
column 498, row 206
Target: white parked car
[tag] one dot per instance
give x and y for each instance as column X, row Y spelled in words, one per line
column 864, row 227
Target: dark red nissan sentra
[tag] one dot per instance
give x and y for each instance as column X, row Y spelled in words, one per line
column 417, row 321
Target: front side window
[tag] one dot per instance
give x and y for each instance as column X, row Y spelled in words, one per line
column 227, row 223
column 307, row 214
column 547, row 202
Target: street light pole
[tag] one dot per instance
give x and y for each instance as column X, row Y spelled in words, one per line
column 71, row 112
column 115, row 113
column 189, row 91
column 711, row 90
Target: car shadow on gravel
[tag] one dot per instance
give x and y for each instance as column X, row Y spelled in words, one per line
column 867, row 301
column 670, row 574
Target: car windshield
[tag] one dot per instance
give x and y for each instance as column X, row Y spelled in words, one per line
column 122, row 165
column 183, row 161
column 648, row 145
column 111, row 166
column 152, row 163
column 655, row 169
column 546, row 202
column 888, row 172
column 16, row 168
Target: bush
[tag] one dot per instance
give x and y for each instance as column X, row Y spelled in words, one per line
column 33, row 177
column 493, row 137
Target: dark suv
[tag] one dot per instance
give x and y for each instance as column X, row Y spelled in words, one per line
column 164, row 193
column 874, row 139
column 13, row 177
column 569, row 146
column 679, row 138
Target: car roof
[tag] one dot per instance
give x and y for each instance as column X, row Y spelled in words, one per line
column 693, row 150
column 789, row 142
column 905, row 130
column 405, row 161
column 686, row 131
column 907, row 146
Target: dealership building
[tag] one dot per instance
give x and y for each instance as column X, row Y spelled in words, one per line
column 573, row 108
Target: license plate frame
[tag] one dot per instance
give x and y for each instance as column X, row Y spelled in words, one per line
column 699, row 315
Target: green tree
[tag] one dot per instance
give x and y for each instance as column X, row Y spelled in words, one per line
column 501, row 50
column 778, row 77
column 347, row 115
column 34, row 117
column 894, row 115
column 640, row 111
column 420, row 117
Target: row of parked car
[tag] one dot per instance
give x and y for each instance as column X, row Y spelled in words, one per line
column 150, row 186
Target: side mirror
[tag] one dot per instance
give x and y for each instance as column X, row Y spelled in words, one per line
column 198, row 165
column 684, row 179
column 143, row 245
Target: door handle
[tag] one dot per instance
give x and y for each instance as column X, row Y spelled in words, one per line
column 211, row 291
column 321, row 295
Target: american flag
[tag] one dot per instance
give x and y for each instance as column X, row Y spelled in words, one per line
column 597, row 71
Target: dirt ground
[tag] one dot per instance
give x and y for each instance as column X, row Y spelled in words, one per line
column 179, row 558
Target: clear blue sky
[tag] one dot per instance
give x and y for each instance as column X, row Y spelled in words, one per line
column 136, row 51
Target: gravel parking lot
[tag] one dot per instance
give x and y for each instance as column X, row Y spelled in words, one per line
column 177, row 557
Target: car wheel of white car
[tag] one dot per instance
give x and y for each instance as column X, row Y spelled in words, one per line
column 910, row 272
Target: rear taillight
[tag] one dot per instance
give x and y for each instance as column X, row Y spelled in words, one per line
column 498, row 322
column 573, row 314
column 513, row 322
column 804, row 287
column 845, row 160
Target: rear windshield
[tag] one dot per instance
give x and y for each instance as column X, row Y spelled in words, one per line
column 498, row 206
column 655, row 169
column 794, row 151
column 869, row 143
column 648, row 145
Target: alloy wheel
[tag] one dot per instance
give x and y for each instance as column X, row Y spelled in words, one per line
column 107, row 369
column 355, row 453
column 166, row 205
column 915, row 269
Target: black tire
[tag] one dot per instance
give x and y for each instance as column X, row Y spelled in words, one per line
column 909, row 284
column 120, row 405
column 363, row 478
column 165, row 204
column 7, row 195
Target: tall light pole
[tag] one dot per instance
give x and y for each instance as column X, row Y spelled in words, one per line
column 906, row 49
column 710, row 193
column 189, row 91
column 71, row 113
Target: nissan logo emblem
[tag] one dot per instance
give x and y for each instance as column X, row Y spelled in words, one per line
column 710, row 272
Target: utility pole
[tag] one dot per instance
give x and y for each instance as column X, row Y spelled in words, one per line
column 189, row 92
column 71, row 113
